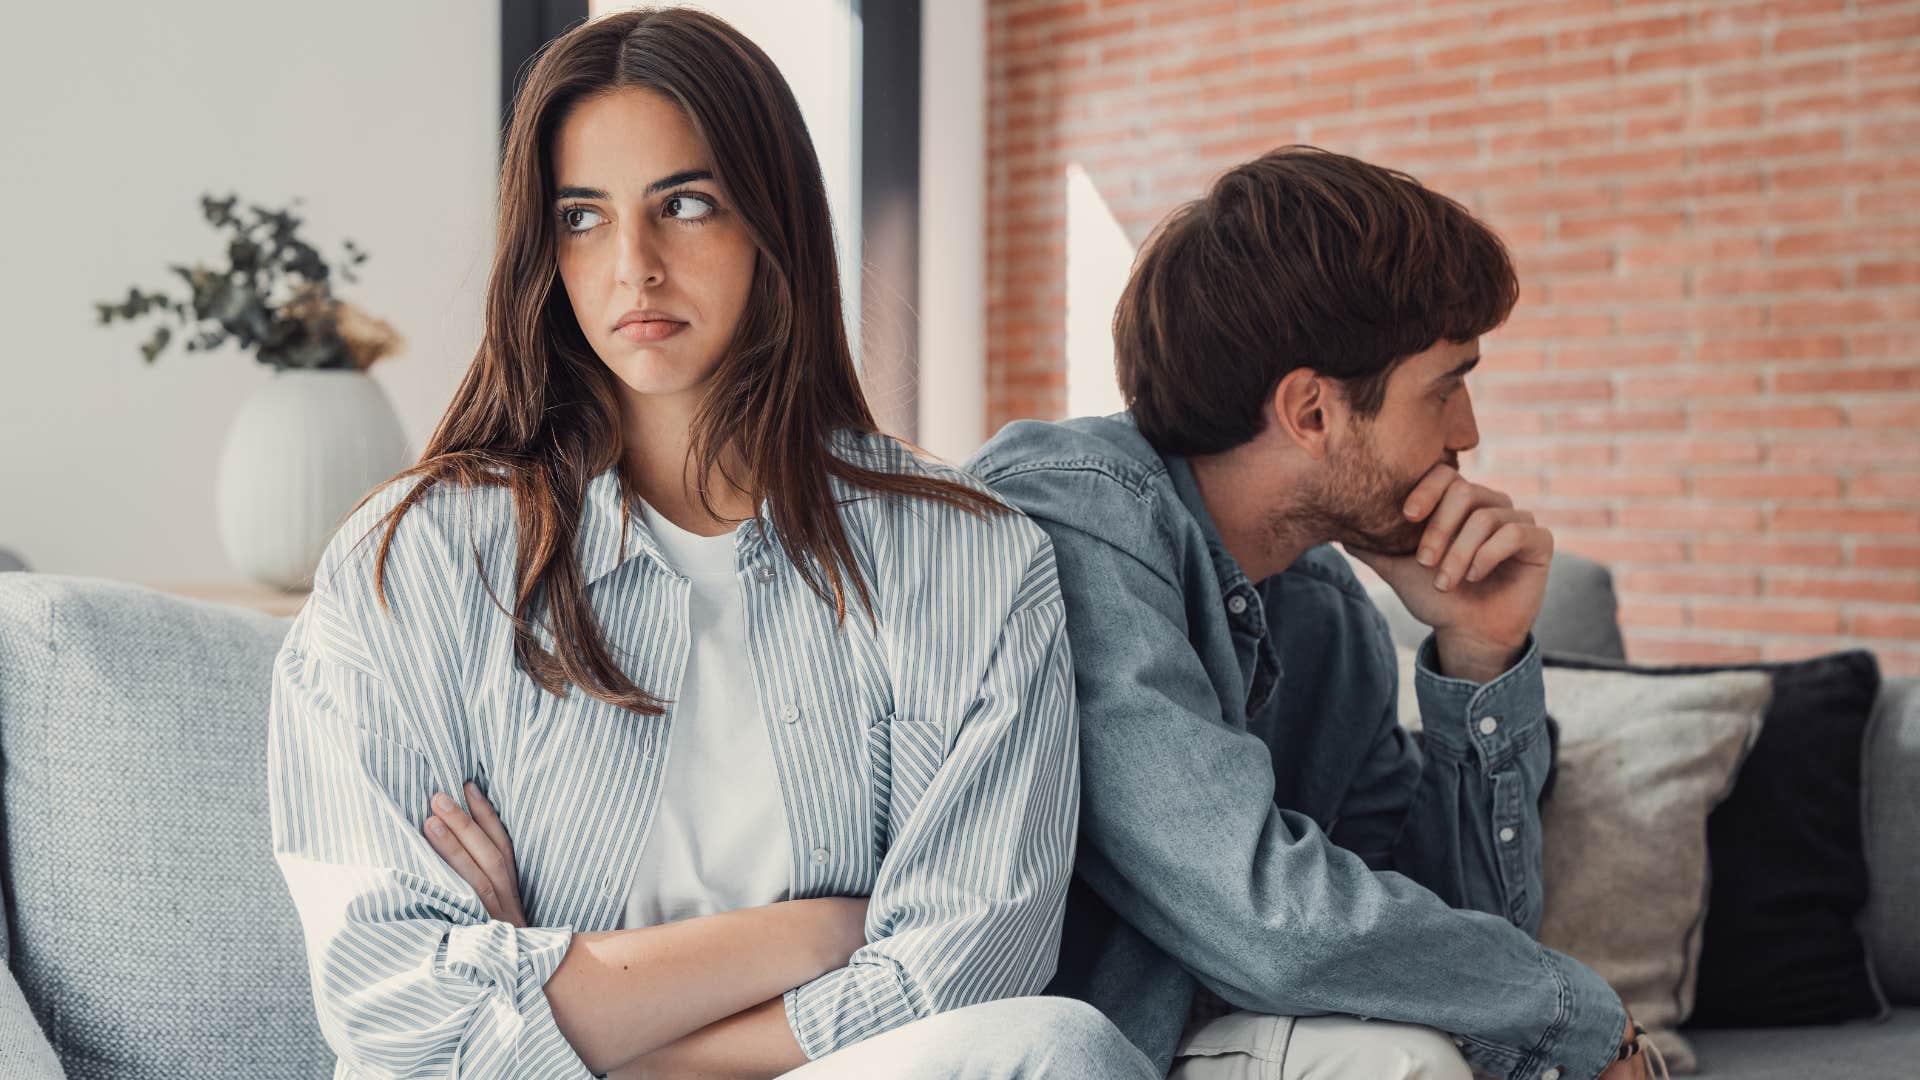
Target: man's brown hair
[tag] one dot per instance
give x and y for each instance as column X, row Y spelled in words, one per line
column 1298, row 258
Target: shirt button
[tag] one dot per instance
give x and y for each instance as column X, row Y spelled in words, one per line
column 1507, row 835
column 1237, row 605
column 765, row 573
column 819, row 854
column 1550, row 1074
column 1488, row 725
column 790, row 713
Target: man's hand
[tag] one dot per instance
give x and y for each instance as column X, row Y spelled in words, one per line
column 479, row 851
column 1478, row 578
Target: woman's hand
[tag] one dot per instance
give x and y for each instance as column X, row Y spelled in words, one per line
column 479, row 851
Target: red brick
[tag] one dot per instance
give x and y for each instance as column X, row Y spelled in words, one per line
column 1769, row 417
column 1882, row 588
column 1764, row 350
column 1618, row 356
column 1690, row 452
column 1748, row 553
column 1481, row 52
column 1551, row 389
column 1622, row 163
column 1602, row 419
column 1634, row 611
column 1885, row 485
column 1556, row 74
column 1372, row 70
column 1685, row 387
column 1602, row 485
column 1688, row 518
column 1887, row 556
column 1769, row 618
column 1617, row 549
column 1845, row 32
column 1714, row 247
column 1770, row 484
column 1620, row 99
column 1771, row 280
column 1609, row 34
column 1694, row 56
column 1874, row 624
column 1906, row 272
column 1771, row 146
column 1842, row 520
column 1848, row 381
column 1689, row 582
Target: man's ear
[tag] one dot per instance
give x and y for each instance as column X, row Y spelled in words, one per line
column 1304, row 405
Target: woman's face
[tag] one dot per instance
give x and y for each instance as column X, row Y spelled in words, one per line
column 646, row 234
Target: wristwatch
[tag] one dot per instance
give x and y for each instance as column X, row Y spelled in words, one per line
column 1631, row 1046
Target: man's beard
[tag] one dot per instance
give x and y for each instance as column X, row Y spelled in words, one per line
column 1361, row 502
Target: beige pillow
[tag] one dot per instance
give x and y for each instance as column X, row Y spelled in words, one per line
column 1643, row 760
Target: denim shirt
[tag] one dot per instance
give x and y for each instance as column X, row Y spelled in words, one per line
column 1253, row 816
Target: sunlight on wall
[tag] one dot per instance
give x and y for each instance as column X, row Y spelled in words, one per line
column 1098, row 258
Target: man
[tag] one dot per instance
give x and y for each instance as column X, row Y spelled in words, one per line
column 1274, row 878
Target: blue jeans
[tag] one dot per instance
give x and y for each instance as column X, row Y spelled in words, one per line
column 1015, row 1039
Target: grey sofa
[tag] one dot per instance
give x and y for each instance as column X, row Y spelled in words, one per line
column 150, row 933
column 1580, row 619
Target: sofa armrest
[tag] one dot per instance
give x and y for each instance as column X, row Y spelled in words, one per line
column 1890, row 785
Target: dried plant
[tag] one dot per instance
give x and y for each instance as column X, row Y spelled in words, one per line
column 274, row 298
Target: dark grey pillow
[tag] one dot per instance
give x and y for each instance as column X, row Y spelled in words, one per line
column 151, row 931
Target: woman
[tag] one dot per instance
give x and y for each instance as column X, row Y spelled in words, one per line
column 779, row 718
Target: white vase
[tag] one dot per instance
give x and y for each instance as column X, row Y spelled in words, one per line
column 302, row 452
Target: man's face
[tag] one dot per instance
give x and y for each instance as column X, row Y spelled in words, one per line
column 1373, row 463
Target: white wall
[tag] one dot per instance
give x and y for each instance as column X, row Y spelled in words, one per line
column 953, row 227
column 114, row 117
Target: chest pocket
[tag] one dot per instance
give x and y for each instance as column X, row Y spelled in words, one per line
column 903, row 756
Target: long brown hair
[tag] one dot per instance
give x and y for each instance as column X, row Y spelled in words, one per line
column 538, row 412
column 1298, row 258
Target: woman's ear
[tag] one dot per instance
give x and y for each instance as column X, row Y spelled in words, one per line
column 1305, row 410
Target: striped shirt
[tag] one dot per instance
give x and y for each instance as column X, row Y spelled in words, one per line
column 927, row 759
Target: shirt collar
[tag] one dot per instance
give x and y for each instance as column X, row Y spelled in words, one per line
column 1245, row 610
column 603, row 546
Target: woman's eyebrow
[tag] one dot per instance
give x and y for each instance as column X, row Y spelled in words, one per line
column 685, row 176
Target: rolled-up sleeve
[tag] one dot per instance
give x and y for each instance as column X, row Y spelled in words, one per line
column 968, row 902
column 410, row 977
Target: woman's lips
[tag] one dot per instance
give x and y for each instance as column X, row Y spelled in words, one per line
column 646, row 330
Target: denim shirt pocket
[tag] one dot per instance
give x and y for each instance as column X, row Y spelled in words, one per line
column 904, row 756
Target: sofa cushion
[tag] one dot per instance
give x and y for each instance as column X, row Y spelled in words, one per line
column 1832, row 1052
column 152, row 932
column 1782, row 944
column 24, row 1051
column 1892, row 780
column 1642, row 761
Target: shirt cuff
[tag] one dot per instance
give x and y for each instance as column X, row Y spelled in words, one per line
column 1493, row 720
column 1579, row 1044
column 511, row 966
column 1595, row 1023
column 847, row 1005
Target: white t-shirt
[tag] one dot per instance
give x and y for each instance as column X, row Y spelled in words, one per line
column 719, row 838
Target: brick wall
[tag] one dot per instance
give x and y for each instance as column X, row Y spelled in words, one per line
column 1713, row 379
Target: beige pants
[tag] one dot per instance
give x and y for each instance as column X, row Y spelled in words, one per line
column 1249, row 1046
